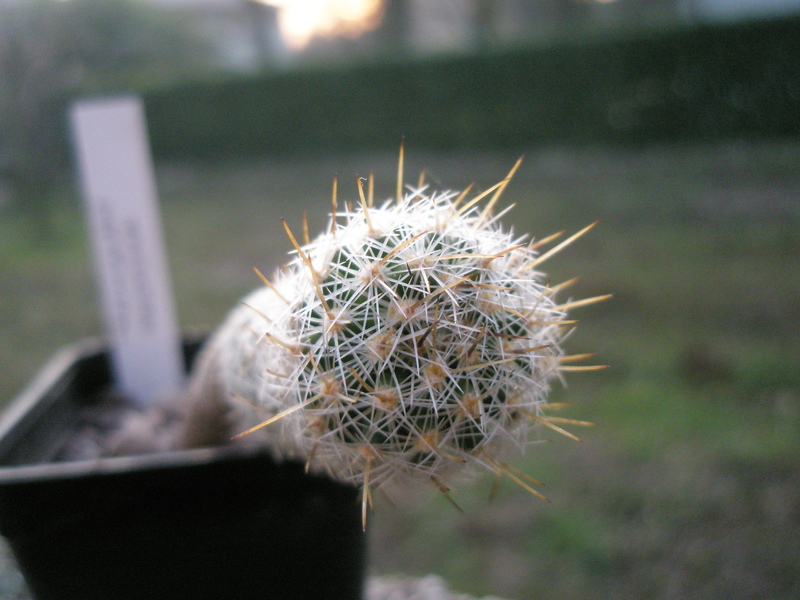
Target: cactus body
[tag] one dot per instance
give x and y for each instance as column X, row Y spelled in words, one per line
column 411, row 342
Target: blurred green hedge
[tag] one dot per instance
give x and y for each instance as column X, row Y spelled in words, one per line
column 703, row 82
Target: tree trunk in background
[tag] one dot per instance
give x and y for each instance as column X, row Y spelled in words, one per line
column 483, row 28
column 396, row 27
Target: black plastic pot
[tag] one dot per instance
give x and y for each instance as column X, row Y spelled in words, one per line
column 217, row 523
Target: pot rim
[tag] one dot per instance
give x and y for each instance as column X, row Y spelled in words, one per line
column 24, row 411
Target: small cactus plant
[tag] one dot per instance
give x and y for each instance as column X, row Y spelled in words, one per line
column 411, row 342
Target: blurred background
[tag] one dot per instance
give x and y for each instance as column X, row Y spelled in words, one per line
column 676, row 123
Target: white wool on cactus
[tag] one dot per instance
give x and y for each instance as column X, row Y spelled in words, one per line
column 411, row 342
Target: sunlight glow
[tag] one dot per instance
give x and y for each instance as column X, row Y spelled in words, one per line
column 302, row 20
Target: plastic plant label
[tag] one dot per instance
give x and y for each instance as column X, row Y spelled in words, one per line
column 118, row 184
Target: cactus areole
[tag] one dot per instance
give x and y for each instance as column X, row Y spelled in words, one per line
column 411, row 342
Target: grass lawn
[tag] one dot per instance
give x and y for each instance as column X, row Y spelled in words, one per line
column 689, row 484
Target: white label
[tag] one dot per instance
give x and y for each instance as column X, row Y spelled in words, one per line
column 118, row 184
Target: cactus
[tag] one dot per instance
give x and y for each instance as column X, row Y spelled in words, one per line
column 411, row 342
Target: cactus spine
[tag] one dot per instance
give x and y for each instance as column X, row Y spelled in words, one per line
column 415, row 341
